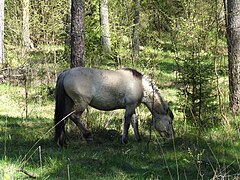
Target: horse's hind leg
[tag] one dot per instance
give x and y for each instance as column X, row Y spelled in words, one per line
column 86, row 133
column 61, row 139
column 134, row 122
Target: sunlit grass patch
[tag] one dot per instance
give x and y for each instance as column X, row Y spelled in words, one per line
column 14, row 101
column 7, row 171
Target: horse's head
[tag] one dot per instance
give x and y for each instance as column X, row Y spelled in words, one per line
column 163, row 123
column 162, row 115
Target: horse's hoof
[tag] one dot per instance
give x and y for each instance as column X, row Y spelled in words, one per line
column 124, row 141
column 139, row 139
column 88, row 137
column 61, row 143
column 89, row 140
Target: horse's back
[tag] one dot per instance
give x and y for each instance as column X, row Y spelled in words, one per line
column 103, row 89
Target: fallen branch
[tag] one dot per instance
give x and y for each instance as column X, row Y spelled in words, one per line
column 30, row 175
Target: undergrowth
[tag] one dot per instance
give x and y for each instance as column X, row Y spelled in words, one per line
column 27, row 144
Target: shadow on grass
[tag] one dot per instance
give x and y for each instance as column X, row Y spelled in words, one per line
column 188, row 157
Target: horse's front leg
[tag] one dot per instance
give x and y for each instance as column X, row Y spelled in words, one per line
column 86, row 133
column 134, row 122
column 127, row 120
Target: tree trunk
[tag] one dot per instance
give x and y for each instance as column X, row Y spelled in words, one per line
column 105, row 25
column 26, row 33
column 1, row 31
column 77, row 33
column 135, row 41
column 233, row 38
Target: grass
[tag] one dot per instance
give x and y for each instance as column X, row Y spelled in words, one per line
column 188, row 157
column 28, row 143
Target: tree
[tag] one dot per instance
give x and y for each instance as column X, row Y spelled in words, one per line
column 232, row 9
column 195, row 59
column 77, row 33
column 26, row 33
column 135, row 41
column 106, row 42
column 1, row 31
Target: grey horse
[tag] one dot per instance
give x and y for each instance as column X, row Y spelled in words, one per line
column 80, row 87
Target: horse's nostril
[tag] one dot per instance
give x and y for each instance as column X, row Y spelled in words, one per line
column 167, row 135
column 162, row 134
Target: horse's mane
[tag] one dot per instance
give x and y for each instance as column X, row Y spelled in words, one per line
column 151, row 84
column 155, row 90
column 135, row 73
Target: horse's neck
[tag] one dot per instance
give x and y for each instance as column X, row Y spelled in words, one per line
column 151, row 97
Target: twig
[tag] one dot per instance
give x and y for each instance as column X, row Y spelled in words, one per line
column 25, row 157
column 30, row 175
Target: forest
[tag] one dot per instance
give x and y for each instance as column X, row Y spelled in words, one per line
column 189, row 48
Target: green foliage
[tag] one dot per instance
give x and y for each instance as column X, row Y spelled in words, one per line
column 13, row 24
column 48, row 26
column 198, row 90
column 196, row 38
column 49, row 21
column 44, row 93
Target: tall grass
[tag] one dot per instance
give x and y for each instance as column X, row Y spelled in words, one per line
column 27, row 144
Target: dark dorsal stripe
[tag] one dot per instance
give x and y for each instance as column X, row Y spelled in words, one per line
column 134, row 72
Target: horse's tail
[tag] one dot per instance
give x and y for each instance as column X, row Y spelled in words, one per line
column 60, row 109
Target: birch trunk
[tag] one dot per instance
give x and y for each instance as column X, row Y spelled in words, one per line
column 1, row 31
column 106, row 42
column 26, row 32
column 135, row 41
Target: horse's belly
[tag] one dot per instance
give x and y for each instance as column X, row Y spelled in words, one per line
column 107, row 103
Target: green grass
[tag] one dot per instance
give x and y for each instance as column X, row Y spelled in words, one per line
column 28, row 143
column 188, row 157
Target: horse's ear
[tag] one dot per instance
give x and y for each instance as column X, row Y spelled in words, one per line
column 170, row 113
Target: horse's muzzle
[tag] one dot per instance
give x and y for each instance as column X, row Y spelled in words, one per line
column 167, row 135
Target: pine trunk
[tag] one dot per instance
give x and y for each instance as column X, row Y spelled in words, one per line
column 233, row 37
column 77, row 33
